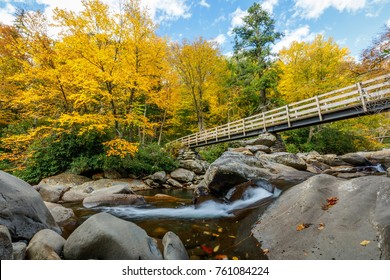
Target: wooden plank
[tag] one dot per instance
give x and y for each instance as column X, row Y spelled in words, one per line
column 362, row 96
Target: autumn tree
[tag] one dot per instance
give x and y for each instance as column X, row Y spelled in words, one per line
column 199, row 65
column 312, row 68
column 253, row 43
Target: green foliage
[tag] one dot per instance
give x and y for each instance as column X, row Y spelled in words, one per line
column 325, row 139
column 211, row 153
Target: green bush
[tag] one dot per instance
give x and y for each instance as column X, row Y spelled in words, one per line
column 213, row 152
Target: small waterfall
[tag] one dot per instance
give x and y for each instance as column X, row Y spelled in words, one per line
column 206, row 210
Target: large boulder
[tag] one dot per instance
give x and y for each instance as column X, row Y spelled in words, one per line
column 113, row 200
column 355, row 159
column 52, row 193
column 105, row 237
column 193, row 165
column 22, row 209
column 287, row 159
column 19, row 250
column 183, row 175
column 234, row 168
column 6, row 250
column 378, row 157
column 45, row 245
column 65, row 179
column 173, row 247
column 64, row 217
column 329, row 218
column 266, row 139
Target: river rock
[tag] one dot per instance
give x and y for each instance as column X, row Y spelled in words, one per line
column 258, row 148
column 331, row 160
column 52, row 193
column 74, row 196
column 159, row 177
column 22, row 209
column 266, row 139
column 303, row 224
column 111, row 174
column 45, row 245
column 174, row 183
column 65, row 179
column 106, row 237
column 173, row 247
column 192, row 165
column 6, row 250
column 183, row 175
column 113, row 200
column 287, row 159
column 355, row 159
column 388, row 172
column 19, row 250
column 378, row 157
column 64, row 217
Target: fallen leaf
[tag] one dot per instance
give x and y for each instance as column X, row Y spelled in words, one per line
column 207, row 233
column 364, row 242
column 329, row 202
column 235, row 258
column 216, row 248
column 220, row 229
column 221, row 257
column 302, row 226
column 321, row 226
column 215, row 235
column 232, row 236
column 265, row 251
column 208, row 250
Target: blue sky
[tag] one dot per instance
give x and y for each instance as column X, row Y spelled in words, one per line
column 352, row 23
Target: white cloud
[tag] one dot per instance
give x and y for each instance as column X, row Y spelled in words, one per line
column 204, row 3
column 6, row 14
column 220, row 39
column 314, row 8
column 237, row 19
column 301, row 34
column 269, row 5
column 167, row 10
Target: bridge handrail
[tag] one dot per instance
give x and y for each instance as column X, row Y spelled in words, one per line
column 354, row 95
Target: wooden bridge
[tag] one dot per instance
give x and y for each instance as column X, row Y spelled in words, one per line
column 368, row 97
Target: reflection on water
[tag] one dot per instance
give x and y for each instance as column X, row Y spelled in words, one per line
column 211, row 230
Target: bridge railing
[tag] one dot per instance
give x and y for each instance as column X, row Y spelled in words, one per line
column 360, row 94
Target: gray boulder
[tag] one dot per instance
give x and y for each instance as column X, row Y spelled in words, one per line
column 183, row 175
column 65, row 179
column 45, row 245
column 355, row 159
column 74, row 196
column 192, row 165
column 112, row 174
column 378, row 157
column 259, row 148
column 159, row 177
column 388, row 172
column 329, row 218
column 287, row 159
column 64, row 217
column 22, row 209
column 52, row 193
column 106, row 237
column 6, row 250
column 19, row 250
column 266, row 139
column 113, row 200
column 173, row 247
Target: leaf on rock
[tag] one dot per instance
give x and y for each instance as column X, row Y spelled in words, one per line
column 302, row 226
column 216, row 248
column 207, row 249
column 329, row 202
column 364, row 242
column 220, row 229
column 265, row 251
column 321, row 226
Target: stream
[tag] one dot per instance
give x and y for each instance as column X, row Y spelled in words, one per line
column 211, row 230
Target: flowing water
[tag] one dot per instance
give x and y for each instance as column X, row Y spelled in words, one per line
column 211, row 230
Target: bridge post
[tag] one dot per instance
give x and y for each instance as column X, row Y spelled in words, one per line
column 265, row 127
column 288, row 116
column 243, row 126
column 318, row 108
column 362, row 94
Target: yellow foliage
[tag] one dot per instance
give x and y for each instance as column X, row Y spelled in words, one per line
column 120, row 148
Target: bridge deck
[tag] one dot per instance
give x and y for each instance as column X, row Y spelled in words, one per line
column 368, row 97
